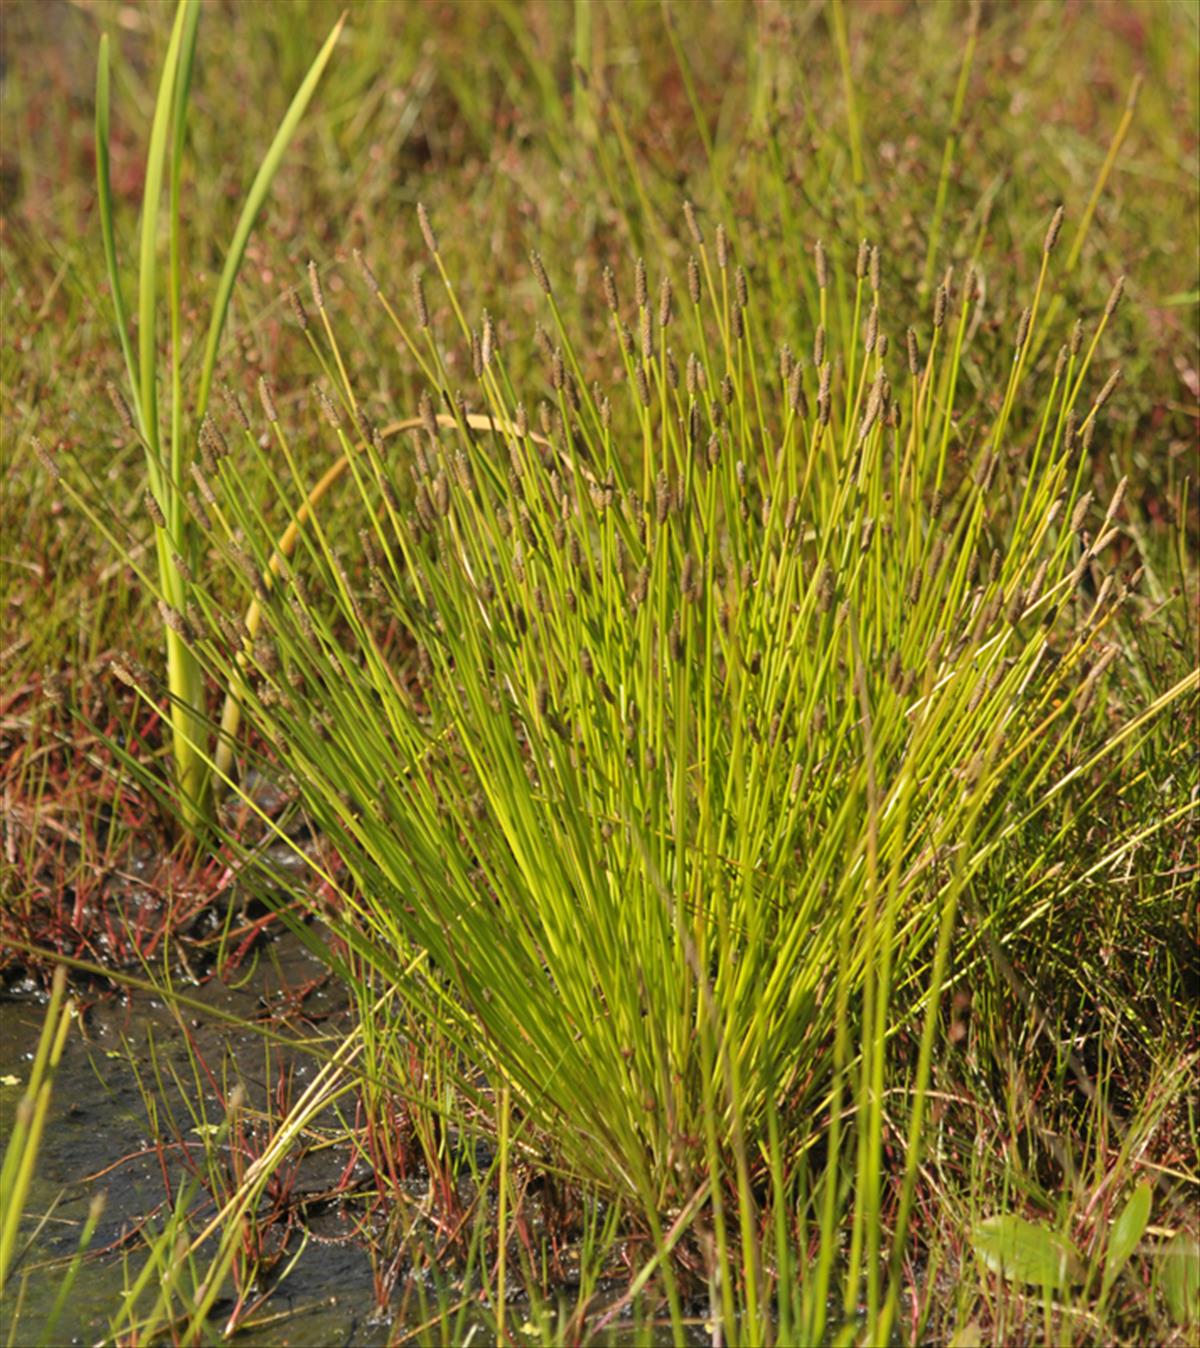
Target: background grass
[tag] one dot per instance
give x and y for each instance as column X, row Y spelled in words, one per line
column 481, row 113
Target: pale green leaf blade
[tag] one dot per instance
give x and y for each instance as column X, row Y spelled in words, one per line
column 1179, row 1278
column 1126, row 1232
column 254, row 200
column 1024, row 1252
column 105, row 206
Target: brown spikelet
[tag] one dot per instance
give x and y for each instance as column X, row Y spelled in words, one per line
column 175, row 620
column 332, row 415
column 646, row 333
column 822, row 268
column 1076, row 344
column 914, row 360
column 1060, row 364
column 609, row 283
column 939, row 307
column 643, row 386
column 426, row 228
column 741, row 287
column 539, row 271
column 689, row 214
column 118, row 401
column 45, row 458
column 664, row 303
column 1023, row 329
column 298, row 310
column 872, row 332
column 314, row 284
column 422, row 308
column 737, row 315
column 1053, row 232
column 267, row 397
column 234, row 403
column 819, row 347
column 722, row 248
column 860, row 264
column 1079, row 514
column 641, row 292
column 662, row 498
column 368, row 274
column 1107, row 391
column 206, row 492
column 796, row 391
column 874, row 269
column 154, row 510
column 1114, row 298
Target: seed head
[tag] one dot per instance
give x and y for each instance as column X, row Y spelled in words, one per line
column 914, row 359
column 235, row 406
column 693, row 280
column 739, row 322
column 368, row 274
column 45, row 458
column 689, row 214
column 118, row 401
column 872, row 329
column 298, row 311
column 154, row 510
column 267, row 398
column 1107, row 391
column 796, row 391
column 609, row 283
column 826, row 589
column 860, row 265
column 664, row 303
column 1023, row 329
column 175, row 620
column 741, row 287
column 646, row 333
column 819, row 347
column 488, row 341
column 641, row 293
column 426, row 228
column 939, row 307
column 332, row 415
column 662, row 498
column 1114, row 298
column 422, row 308
column 1076, row 337
column 539, row 271
column 875, row 267
column 1061, row 363
column 1079, row 514
column 722, row 248
column 1053, row 232
column 314, row 282
column 822, row 268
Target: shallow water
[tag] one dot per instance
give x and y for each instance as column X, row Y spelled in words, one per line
column 98, row 1139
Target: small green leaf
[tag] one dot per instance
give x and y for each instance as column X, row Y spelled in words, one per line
column 969, row 1336
column 1024, row 1252
column 1179, row 1278
column 1126, row 1231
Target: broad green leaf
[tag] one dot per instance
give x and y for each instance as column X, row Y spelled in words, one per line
column 1126, row 1231
column 1179, row 1278
column 969, row 1336
column 1024, row 1252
